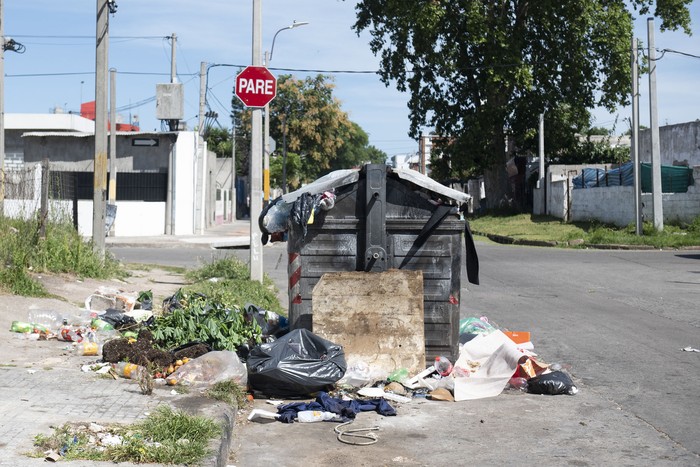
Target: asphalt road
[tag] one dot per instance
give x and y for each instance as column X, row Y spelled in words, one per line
column 616, row 319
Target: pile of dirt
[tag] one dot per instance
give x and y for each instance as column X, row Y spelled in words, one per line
column 142, row 352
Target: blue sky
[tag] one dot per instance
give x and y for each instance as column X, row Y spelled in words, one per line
column 57, row 69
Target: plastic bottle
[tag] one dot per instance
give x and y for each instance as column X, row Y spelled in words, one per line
column 51, row 320
column 443, row 366
column 309, row 416
column 127, row 370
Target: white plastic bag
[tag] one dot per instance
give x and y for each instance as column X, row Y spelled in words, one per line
column 211, row 368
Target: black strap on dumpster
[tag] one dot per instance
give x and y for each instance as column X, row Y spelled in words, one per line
column 440, row 213
column 436, row 219
column 472, row 257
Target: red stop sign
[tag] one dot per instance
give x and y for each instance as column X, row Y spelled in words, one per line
column 256, row 86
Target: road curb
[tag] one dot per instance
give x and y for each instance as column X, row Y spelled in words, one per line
column 506, row 240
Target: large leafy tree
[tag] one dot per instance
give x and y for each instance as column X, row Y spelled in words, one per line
column 480, row 72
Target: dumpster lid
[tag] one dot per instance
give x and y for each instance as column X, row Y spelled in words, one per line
column 334, row 179
column 428, row 183
column 344, row 177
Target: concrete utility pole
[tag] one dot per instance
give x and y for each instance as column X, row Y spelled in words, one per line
column 256, row 194
column 2, row 110
column 100, row 167
column 657, row 199
column 202, row 96
column 112, row 140
column 635, row 138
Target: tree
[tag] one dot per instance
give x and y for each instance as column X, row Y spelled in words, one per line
column 318, row 134
column 316, row 127
column 482, row 71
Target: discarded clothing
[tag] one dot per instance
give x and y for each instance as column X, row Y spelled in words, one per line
column 325, row 403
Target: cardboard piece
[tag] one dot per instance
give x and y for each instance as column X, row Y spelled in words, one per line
column 519, row 337
column 376, row 316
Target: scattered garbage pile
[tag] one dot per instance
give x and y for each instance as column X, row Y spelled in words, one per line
column 197, row 342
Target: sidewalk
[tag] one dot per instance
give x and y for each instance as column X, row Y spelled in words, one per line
column 43, row 386
column 229, row 235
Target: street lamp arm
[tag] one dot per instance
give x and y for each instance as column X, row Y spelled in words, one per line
column 294, row 24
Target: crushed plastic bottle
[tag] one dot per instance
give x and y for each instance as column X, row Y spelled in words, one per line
column 127, row 370
column 309, row 416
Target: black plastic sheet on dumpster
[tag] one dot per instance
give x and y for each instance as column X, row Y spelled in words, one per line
column 295, row 365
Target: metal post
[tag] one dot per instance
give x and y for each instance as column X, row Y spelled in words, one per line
column 233, row 171
column 266, row 162
column 284, row 153
column 256, row 259
column 657, row 200
column 635, row 138
column 540, row 152
column 100, row 167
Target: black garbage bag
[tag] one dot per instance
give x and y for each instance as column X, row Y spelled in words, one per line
column 118, row 319
column 296, row 365
column 554, row 383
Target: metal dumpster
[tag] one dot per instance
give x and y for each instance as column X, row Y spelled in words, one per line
column 384, row 219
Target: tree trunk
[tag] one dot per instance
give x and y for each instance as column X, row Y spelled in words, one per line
column 496, row 184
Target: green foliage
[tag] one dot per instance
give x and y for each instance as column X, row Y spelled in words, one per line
column 166, row 437
column 225, row 268
column 210, row 309
column 60, row 250
column 219, row 141
column 208, row 320
column 319, row 135
column 476, row 71
column 545, row 228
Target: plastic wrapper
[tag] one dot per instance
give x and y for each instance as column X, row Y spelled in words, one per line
column 554, row 383
column 211, row 368
column 295, row 365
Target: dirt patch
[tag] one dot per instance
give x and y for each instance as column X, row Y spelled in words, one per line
column 75, row 290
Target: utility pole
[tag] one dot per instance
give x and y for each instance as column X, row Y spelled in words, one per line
column 657, row 199
column 173, row 124
column 100, row 165
column 112, row 140
column 256, row 259
column 202, row 96
column 2, row 110
column 635, row 138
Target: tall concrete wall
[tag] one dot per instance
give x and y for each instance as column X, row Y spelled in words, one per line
column 680, row 144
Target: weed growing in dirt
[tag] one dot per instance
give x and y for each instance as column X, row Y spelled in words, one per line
column 40, row 246
column 229, row 392
column 166, row 436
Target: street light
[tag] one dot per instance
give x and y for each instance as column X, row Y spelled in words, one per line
column 266, row 165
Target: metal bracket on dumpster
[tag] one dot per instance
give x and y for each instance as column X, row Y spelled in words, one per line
column 375, row 258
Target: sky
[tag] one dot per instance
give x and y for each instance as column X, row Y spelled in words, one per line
column 56, row 71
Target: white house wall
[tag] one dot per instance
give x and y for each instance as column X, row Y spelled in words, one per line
column 185, row 182
column 134, row 219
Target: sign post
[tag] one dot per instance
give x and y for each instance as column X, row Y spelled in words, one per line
column 256, row 87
